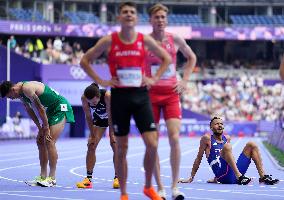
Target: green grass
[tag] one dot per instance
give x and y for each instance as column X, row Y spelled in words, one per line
column 278, row 154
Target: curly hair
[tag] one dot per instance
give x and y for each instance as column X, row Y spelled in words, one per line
column 211, row 121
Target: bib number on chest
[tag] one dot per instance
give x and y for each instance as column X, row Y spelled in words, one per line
column 131, row 77
column 170, row 72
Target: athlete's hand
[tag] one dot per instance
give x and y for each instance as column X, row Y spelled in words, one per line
column 40, row 136
column 189, row 180
column 213, row 180
column 149, row 81
column 46, row 133
column 110, row 83
column 181, row 87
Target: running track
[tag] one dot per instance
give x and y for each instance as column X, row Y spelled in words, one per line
column 19, row 162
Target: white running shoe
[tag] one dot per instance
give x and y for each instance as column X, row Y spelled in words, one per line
column 162, row 193
column 176, row 194
column 48, row 182
column 34, row 181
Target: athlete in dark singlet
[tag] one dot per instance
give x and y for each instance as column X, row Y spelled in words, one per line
column 218, row 151
column 96, row 105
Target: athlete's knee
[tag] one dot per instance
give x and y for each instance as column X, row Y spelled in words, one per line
column 40, row 141
column 174, row 139
column 152, row 145
column 122, row 150
column 252, row 144
column 50, row 144
column 91, row 146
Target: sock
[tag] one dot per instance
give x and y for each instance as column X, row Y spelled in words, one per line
column 89, row 175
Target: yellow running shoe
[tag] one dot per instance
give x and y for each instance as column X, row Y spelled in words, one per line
column 48, row 182
column 115, row 183
column 86, row 183
column 34, row 182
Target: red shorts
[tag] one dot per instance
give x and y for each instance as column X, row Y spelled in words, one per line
column 169, row 103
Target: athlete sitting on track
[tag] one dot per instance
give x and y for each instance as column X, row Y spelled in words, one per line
column 218, row 151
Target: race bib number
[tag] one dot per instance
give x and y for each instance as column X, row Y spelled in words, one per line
column 131, row 77
column 64, row 107
column 170, row 72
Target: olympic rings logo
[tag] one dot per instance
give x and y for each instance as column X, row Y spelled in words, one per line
column 77, row 72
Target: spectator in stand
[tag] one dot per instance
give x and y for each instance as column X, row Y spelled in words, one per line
column 13, row 42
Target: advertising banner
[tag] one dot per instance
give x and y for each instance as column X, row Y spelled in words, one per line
column 188, row 32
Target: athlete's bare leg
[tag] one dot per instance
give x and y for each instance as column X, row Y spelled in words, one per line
column 150, row 158
column 55, row 131
column 93, row 141
column 173, row 126
column 43, row 155
column 114, row 149
column 227, row 155
column 157, row 174
column 252, row 151
column 122, row 147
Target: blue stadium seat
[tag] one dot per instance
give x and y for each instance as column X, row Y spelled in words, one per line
column 257, row 20
column 25, row 15
column 81, row 17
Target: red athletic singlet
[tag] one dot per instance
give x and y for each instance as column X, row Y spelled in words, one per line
column 162, row 94
column 127, row 61
column 168, row 79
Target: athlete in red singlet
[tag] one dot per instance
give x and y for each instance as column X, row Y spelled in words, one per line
column 164, row 94
column 129, row 95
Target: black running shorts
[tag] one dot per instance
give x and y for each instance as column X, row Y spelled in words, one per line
column 128, row 102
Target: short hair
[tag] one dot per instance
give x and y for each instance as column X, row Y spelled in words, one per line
column 92, row 91
column 211, row 121
column 5, row 88
column 157, row 7
column 127, row 3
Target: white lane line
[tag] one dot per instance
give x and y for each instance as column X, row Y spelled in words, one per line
column 202, row 198
column 182, row 154
column 72, row 170
column 42, row 197
column 236, row 192
column 19, row 166
column 35, row 156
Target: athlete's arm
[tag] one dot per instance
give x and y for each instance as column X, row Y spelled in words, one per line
column 93, row 53
column 107, row 101
column 281, row 70
column 31, row 113
column 153, row 46
column 204, row 141
column 30, row 92
column 87, row 112
column 187, row 52
column 33, row 116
